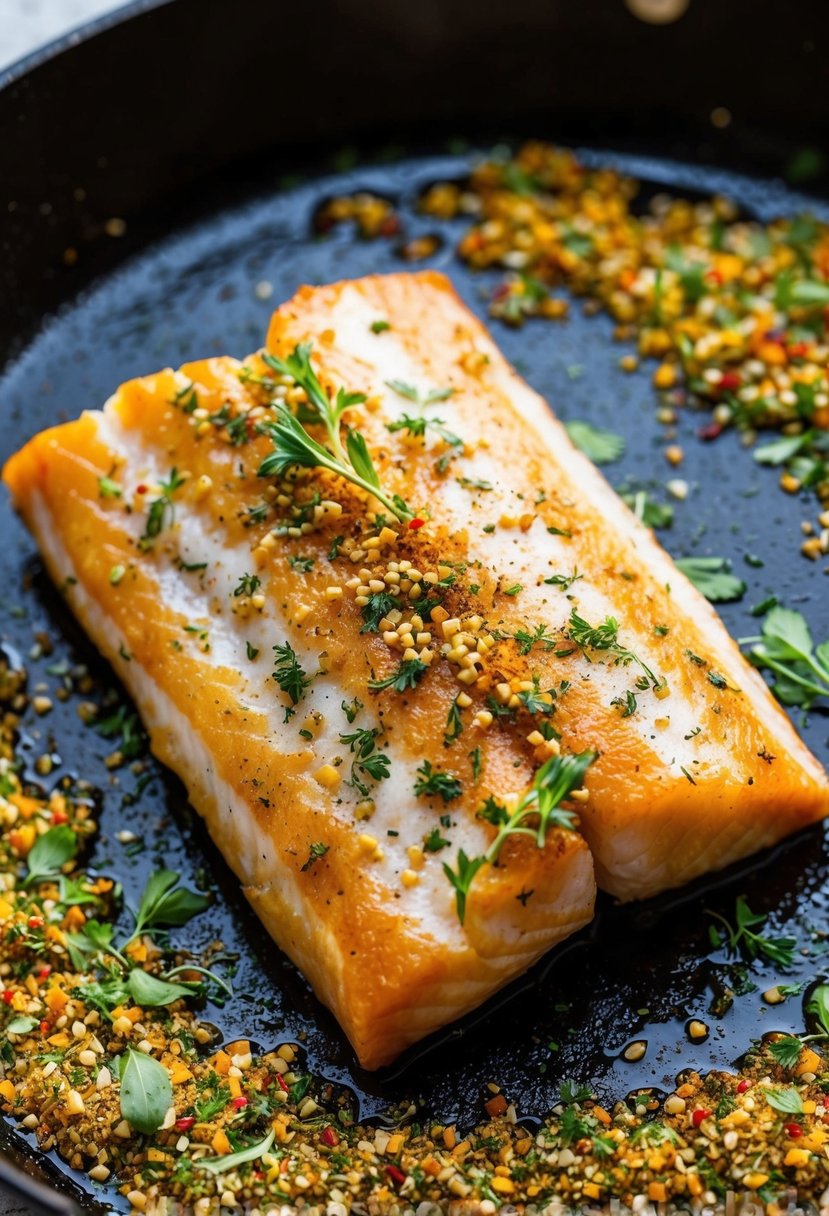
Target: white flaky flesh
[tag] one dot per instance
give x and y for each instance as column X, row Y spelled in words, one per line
column 698, row 776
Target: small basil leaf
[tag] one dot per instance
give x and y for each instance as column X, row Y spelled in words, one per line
column 146, row 1092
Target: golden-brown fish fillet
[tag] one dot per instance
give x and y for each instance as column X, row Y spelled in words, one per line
column 343, row 863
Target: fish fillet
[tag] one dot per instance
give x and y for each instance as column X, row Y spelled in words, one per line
column 187, row 569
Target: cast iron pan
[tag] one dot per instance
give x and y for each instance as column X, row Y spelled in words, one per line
column 214, row 131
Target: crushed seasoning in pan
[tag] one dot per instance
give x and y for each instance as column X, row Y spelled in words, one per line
column 106, row 1060
column 734, row 311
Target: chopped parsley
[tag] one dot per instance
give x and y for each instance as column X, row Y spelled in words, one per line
column 432, row 783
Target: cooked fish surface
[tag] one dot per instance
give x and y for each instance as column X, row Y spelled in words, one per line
column 372, row 664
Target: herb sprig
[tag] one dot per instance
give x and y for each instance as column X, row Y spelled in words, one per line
column 535, row 813
column 786, row 648
column 294, row 446
column 605, row 636
column 742, row 937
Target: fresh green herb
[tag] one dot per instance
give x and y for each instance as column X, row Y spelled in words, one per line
column 535, row 701
column 710, row 576
column 475, row 758
column 553, row 784
column 315, row 852
column 602, row 447
column 538, row 637
column 564, row 581
column 334, row 548
column 294, row 446
column 124, row 723
column 380, row 604
column 288, row 674
column 741, row 937
column 367, row 762
column 430, row 397
column 150, row 992
column 627, row 704
column 379, row 327
column 434, row 842
column 21, row 1024
column 107, row 488
column 231, row 1161
column 605, row 636
column 786, row 648
column 408, row 675
column 165, row 903
column 819, row 1006
column 454, row 724
column 248, row 584
column 514, row 590
column 50, row 853
column 786, row 1050
column 786, row 1101
column 161, row 511
column 570, row 1092
column 251, row 651
column 351, row 708
column 302, row 565
column 653, row 514
column 186, row 398
column 207, row 1110
column 431, row 783
column 146, row 1092
column 417, row 425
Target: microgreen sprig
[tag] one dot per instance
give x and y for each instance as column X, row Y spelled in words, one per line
column 553, row 784
column 294, row 446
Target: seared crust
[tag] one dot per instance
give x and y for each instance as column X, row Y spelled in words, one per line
column 390, row 958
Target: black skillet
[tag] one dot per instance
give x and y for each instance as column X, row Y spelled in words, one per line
column 213, row 131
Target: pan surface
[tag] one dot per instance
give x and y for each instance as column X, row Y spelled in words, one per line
column 206, row 286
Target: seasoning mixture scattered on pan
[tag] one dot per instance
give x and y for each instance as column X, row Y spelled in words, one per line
column 734, row 311
column 105, row 1059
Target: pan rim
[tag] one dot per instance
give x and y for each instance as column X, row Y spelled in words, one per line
column 18, row 69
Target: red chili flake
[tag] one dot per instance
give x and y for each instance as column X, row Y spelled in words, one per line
column 185, row 1123
column 45, row 970
column 501, row 291
column 329, row 1137
column 713, row 430
column 45, row 1027
column 35, row 922
column 8, row 996
column 699, row 1116
column 390, row 226
column 282, row 1084
column 715, row 276
column 59, row 816
column 793, row 1130
column 397, row 1176
column 142, row 489
column 730, row 381
column 239, row 1102
column 414, row 524
column 798, row 350
column 743, row 1086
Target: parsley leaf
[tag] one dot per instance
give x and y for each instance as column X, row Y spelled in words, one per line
column 432, row 783
column 601, row 446
column 710, row 576
column 786, row 648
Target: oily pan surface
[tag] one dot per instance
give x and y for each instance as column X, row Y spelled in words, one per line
column 638, row 972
